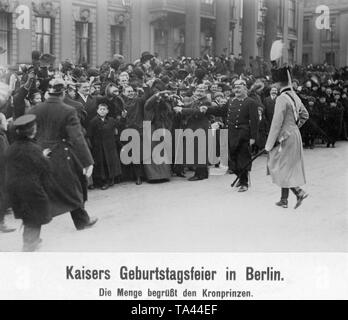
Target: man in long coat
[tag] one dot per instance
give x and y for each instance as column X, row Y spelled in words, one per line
column 284, row 143
column 59, row 130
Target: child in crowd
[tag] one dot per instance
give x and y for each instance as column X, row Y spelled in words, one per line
column 102, row 133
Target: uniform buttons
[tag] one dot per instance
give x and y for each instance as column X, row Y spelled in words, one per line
column 68, row 158
column 66, row 149
column 64, row 140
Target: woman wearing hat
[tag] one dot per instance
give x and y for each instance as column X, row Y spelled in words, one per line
column 28, row 175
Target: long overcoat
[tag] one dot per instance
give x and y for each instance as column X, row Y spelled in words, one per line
column 27, row 176
column 60, row 131
column 285, row 160
column 159, row 113
column 3, row 149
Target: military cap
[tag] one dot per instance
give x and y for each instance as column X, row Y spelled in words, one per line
column 240, row 82
column 25, row 121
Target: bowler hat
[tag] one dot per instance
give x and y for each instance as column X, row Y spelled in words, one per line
column 145, row 56
column 47, row 59
column 57, row 86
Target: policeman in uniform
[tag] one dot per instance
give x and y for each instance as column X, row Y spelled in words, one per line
column 27, row 176
column 242, row 122
column 59, row 130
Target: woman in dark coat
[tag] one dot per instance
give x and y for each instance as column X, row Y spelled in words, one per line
column 28, row 181
column 158, row 111
column 101, row 133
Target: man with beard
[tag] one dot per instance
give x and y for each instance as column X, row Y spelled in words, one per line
column 59, row 131
column 242, row 121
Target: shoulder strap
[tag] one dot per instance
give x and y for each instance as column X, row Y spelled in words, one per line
column 293, row 105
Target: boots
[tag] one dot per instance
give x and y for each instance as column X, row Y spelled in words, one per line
column 302, row 195
column 282, row 203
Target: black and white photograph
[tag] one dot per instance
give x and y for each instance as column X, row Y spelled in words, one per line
column 173, row 126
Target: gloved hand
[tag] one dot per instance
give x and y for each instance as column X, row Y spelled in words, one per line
column 88, row 171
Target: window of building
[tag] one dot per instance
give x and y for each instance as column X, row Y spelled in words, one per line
column 307, row 30
column 261, row 10
column 209, row 2
column 330, row 58
column 5, row 37
column 44, row 34
column 233, row 13
column 305, row 59
column 332, row 34
column 292, row 15
column 117, row 40
column 231, row 39
column 83, row 42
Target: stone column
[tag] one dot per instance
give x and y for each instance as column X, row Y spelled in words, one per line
column 271, row 28
column 66, row 29
column 24, row 31
column 140, row 28
column 316, row 53
column 299, row 50
column 222, row 26
column 193, row 28
column 286, row 32
column 249, row 42
column 102, row 31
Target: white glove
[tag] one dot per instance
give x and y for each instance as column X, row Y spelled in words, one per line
column 177, row 109
column 47, row 153
column 88, row 171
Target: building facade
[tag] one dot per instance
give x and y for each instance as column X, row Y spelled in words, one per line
column 93, row 31
column 329, row 44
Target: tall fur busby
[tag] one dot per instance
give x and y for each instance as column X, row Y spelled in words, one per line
column 281, row 74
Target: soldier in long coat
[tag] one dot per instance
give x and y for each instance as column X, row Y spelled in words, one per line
column 284, row 143
column 59, row 130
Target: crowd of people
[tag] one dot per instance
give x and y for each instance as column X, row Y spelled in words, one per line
column 93, row 106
